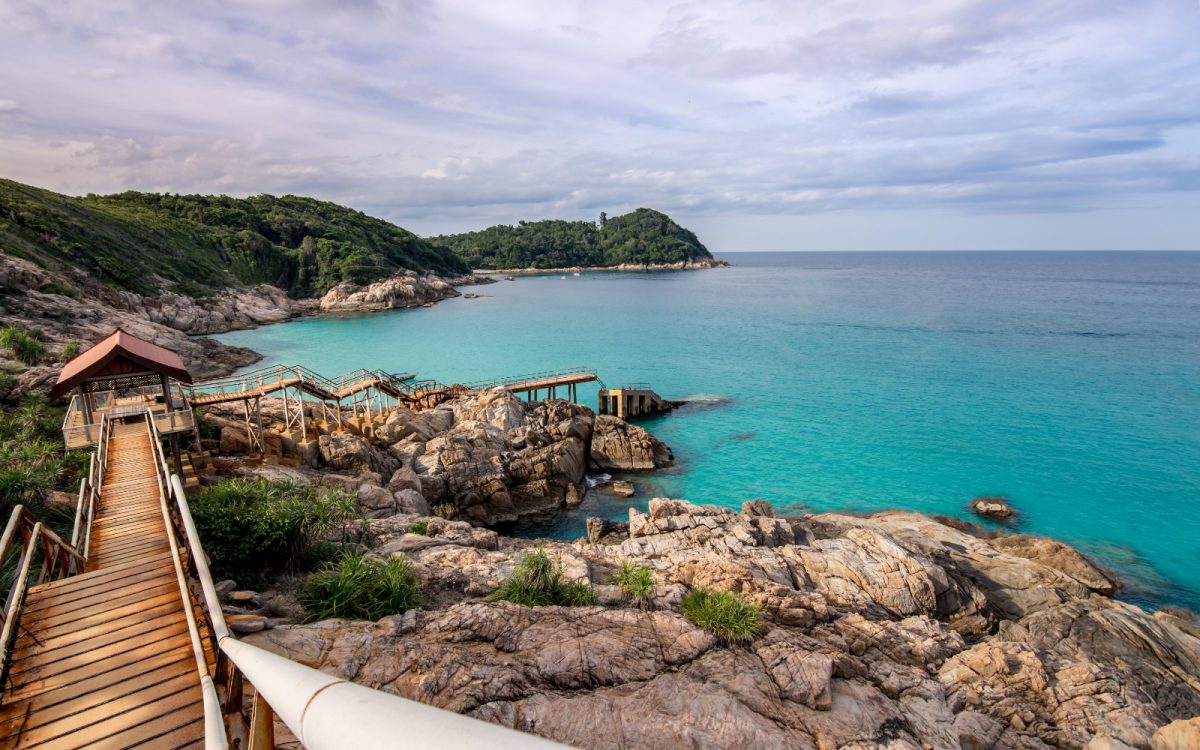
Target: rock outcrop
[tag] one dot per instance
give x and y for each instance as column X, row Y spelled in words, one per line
column 485, row 458
column 403, row 290
column 890, row 631
column 620, row 446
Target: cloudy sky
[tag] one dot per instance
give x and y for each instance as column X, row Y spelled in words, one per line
column 811, row 124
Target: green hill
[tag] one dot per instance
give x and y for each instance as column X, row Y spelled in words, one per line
column 641, row 236
column 198, row 244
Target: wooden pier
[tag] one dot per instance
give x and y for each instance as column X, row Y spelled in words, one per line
column 550, row 381
column 104, row 658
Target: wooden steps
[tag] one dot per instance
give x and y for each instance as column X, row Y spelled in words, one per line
column 104, row 659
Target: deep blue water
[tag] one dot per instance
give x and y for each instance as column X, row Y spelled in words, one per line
column 1068, row 382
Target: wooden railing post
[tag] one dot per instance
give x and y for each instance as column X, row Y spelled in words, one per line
column 262, row 724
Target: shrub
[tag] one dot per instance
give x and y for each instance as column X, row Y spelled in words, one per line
column 52, row 288
column 359, row 587
column 68, row 351
column 536, row 582
column 252, row 528
column 726, row 615
column 420, row 527
column 637, row 581
column 33, row 461
column 24, row 346
column 576, row 594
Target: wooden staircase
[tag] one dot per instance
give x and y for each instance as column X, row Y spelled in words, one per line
column 103, row 659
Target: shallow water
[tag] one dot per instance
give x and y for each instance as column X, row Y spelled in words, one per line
column 1069, row 382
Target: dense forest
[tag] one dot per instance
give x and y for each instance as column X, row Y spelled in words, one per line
column 199, row 244
column 641, row 236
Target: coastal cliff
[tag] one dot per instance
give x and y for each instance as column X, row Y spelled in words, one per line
column 893, row 630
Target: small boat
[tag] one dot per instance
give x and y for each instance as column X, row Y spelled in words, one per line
column 470, row 295
column 562, row 277
column 509, row 278
column 575, row 274
column 427, row 304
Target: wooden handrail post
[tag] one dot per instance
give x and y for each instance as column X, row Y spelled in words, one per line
column 262, row 724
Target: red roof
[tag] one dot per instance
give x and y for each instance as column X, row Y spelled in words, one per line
column 96, row 362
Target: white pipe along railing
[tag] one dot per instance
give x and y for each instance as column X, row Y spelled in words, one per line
column 323, row 711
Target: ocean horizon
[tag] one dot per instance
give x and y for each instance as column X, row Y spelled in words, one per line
column 1066, row 381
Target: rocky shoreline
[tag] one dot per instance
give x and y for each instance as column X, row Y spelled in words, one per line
column 684, row 265
column 893, row 630
column 76, row 309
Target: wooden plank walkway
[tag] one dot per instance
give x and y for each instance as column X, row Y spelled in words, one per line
column 104, row 659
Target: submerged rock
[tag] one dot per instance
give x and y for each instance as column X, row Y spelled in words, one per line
column 993, row 507
column 621, row 488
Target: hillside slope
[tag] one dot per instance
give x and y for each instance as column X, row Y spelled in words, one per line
column 197, row 245
column 641, row 237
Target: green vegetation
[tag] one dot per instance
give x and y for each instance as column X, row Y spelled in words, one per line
column 23, row 345
column 536, row 582
column 33, row 462
column 637, row 581
column 69, row 350
column 420, row 527
column 359, row 587
column 202, row 244
column 253, row 528
column 642, row 236
column 52, row 288
column 726, row 615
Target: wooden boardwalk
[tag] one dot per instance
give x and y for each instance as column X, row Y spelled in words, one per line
column 104, row 659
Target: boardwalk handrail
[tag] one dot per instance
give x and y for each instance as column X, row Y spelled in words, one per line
column 531, row 377
column 214, row 724
column 323, row 711
column 89, row 490
column 59, row 560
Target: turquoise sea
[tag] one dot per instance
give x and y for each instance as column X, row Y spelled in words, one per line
column 1068, row 382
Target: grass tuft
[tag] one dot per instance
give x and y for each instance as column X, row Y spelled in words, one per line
column 637, row 581
column 536, row 582
column 359, row 587
column 25, row 346
column 724, row 614
column 68, row 351
column 420, row 527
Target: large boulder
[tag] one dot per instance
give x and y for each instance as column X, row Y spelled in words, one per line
column 345, row 451
column 620, row 446
column 496, row 407
column 1183, row 734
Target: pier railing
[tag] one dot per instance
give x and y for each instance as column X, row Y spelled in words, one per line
column 42, row 548
column 546, row 376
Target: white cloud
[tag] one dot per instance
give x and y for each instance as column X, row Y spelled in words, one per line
column 458, row 114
